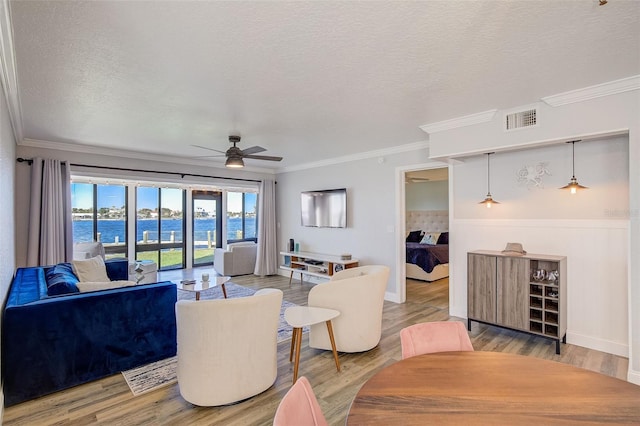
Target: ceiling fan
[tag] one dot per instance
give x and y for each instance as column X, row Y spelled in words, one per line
column 235, row 155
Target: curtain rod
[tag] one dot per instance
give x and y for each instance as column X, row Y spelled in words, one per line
column 29, row 161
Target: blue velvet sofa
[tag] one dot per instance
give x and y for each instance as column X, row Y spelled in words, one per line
column 50, row 343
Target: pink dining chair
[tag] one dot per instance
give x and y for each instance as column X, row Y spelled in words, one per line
column 299, row 407
column 437, row 336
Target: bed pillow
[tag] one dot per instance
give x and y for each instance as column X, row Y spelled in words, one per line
column 91, row 270
column 430, row 238
column 96, row 286
column 443, row 238
column 414, row 236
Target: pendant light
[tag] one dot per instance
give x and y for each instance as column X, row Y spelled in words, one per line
column 573, row 184
column 488, row 201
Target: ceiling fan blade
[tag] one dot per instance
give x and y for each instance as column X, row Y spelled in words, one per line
column 209, row 149
column 263, row 157
column 253, row 150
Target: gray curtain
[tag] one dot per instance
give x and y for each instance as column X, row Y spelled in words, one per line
column 50, row 238
column 267, row 257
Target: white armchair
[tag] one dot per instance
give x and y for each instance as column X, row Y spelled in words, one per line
column 237, row 259
column 227, row 348
column 358, row 293
column 87, row 250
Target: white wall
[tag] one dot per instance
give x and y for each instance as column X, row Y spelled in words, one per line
column 427, row 195
column 589, row 228
column 7, row 230
column 370, row 235
column 603, row 247
column 602, row 165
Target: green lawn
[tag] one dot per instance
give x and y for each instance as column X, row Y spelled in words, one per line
column 173, row 258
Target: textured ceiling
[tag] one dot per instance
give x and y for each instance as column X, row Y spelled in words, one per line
column 309, row 81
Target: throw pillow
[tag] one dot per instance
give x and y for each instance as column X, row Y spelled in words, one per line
column 61, row 280
column 414, row 236
column 444, row 238
column 91, row 270
column 430, row 238
column 96, row 286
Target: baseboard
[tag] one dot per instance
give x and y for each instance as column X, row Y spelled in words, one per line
column 602, row 345
column 392, row 297
column 633, row 376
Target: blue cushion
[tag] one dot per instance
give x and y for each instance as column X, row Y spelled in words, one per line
column 61, row 280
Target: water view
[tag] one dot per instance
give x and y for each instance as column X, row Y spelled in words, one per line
column 114, row 231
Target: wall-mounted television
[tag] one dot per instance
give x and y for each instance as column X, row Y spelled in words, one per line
column 324, row 209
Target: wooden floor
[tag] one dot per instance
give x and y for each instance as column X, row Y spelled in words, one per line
column 109, row 401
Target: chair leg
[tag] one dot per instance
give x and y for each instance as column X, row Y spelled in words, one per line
column 224, row 290
column 290, row 277
column 333, row 344
column 293, row 343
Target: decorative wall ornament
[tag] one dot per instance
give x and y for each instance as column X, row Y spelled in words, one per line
column 531, row 176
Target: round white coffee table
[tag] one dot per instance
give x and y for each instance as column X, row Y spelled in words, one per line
column 204, row 285
column 302, row 316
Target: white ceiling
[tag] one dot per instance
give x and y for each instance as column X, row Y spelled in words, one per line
column 308, row 81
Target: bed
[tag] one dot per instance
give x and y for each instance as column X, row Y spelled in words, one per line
column 427, row 259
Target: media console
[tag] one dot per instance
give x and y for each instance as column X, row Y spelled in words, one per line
column 314, row 264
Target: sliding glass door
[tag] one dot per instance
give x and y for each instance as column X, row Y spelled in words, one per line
column 207, row 225
column 160, row 226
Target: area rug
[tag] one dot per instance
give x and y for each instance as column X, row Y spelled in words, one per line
column 152, row 376
column 162, row 373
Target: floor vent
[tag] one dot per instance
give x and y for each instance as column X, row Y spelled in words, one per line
column 521, row 119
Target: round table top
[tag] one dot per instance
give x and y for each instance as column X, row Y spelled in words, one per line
column 492, row 388
column 302, row 316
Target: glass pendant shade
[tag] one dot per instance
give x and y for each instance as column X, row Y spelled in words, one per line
column 234, row 162
column 573, row 186
column 488, row 201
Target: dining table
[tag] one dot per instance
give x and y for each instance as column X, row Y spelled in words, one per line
column 489, row 388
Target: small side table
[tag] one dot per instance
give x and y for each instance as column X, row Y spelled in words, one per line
column 204, row 285
column 302, row 316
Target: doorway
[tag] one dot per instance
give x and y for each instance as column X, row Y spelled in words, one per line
column 423, row 205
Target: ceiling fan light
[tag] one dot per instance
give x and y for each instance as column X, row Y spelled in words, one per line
column 234, row 162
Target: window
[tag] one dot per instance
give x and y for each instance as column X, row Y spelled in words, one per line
column 149, row 221
column 241, row 216
column 99, row 213
column 160, row 226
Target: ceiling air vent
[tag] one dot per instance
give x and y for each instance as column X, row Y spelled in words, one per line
column 521, row 119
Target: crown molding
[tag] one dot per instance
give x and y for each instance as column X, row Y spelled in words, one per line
column 467, row 120
column 164, row 158
column 8, row 75
column 605, row 89
column 415, row 146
